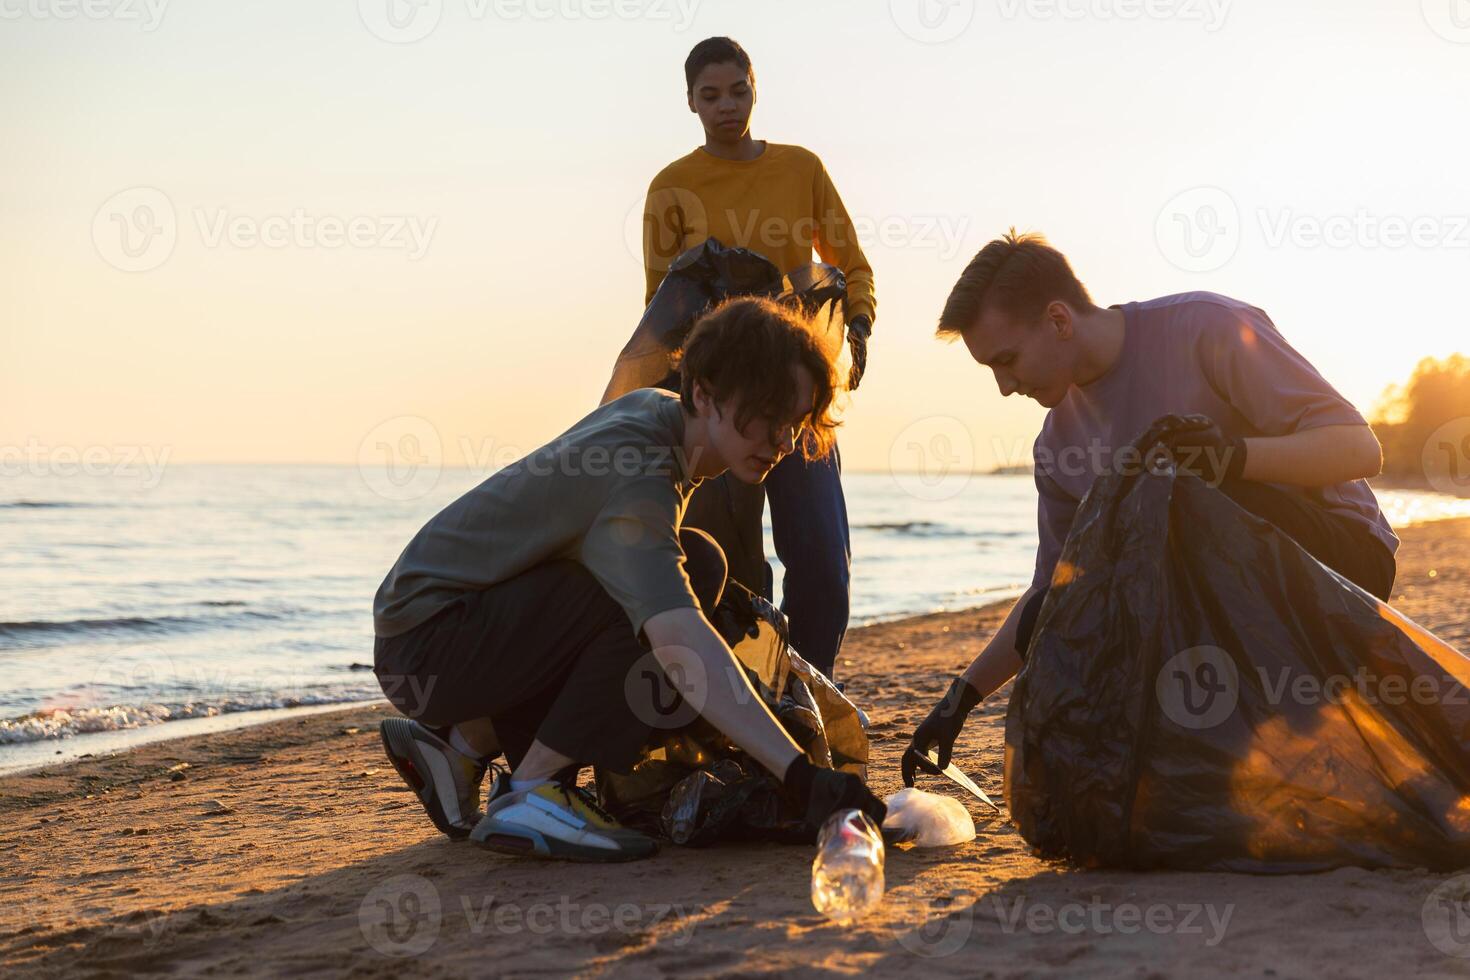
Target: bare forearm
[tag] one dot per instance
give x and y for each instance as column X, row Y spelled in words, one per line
column 723, row 695
column 998, row 662
column 1315, row 457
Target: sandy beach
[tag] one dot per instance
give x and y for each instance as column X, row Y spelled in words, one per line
column 292, row 849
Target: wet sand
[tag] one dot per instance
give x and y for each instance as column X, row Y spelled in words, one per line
column 292, row 848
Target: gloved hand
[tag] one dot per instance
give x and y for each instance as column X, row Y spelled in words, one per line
column 825, row 791
column 1200, row 447
column 942, row 726
column 859, row 329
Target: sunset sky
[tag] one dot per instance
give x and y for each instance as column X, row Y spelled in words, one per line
column 453, row 219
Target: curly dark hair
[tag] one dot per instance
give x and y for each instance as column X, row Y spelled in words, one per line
column 747, row 349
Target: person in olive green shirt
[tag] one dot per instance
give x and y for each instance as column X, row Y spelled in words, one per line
column 778, row 200
column 521, row 618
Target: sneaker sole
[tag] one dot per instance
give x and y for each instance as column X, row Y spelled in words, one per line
column 529, row 843
column 403, row 751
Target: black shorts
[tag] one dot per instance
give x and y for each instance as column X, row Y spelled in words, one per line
column 544, row 655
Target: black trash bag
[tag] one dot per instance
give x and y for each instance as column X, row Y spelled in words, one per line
column 694, row 786
column 1201, row 693
column 700, row 278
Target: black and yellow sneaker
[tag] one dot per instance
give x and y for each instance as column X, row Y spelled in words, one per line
column 554, row 820
column 446, row 780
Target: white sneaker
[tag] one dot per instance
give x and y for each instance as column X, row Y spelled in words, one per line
column 551, row 820
column 446, row 780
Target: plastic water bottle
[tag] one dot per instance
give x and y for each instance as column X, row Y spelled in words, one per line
column 847, row 875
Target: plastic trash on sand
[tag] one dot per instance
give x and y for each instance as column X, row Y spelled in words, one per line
column 693, row 786
column 927, row 819
column 847, row 873
column 1201, row 693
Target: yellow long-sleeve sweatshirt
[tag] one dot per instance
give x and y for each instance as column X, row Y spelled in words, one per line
column 781, row 204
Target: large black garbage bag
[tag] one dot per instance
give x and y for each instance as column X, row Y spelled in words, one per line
column 694, row 786
column 1202, row 693
column 700, row 278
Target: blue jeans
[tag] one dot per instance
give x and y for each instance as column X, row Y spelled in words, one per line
column 809, row 525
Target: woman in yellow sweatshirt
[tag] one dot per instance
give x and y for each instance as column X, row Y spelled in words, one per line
column 777, row 200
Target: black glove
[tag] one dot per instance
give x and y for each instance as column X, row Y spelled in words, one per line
column 859, row 329
column 942, row 726
column 1200, row 447
column 825, row 791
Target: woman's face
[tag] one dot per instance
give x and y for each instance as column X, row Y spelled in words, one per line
column 723, row 96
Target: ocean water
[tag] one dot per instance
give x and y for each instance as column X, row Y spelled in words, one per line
column 127, row 601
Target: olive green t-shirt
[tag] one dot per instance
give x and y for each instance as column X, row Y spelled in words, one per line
column 610, row 493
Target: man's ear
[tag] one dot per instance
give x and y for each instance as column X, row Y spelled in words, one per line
column 691, row 104
column 1060, row 315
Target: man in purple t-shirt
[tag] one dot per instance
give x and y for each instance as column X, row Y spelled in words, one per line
column 1265, row 427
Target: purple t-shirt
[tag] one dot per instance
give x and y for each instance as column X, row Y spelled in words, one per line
column 1190, row 354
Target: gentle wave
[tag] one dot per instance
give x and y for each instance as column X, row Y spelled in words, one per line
column 133, row 624
column 65, row 722
column 921, row 529
column 45, row 504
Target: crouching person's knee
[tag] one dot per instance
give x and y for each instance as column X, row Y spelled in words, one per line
column 705, row 563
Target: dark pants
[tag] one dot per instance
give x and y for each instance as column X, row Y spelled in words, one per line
column 1344, row 545
column 545, row 655
column 809, row 525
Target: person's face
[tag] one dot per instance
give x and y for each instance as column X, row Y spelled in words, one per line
column 723, row 96
column 1031, row 358
column 752, row 452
